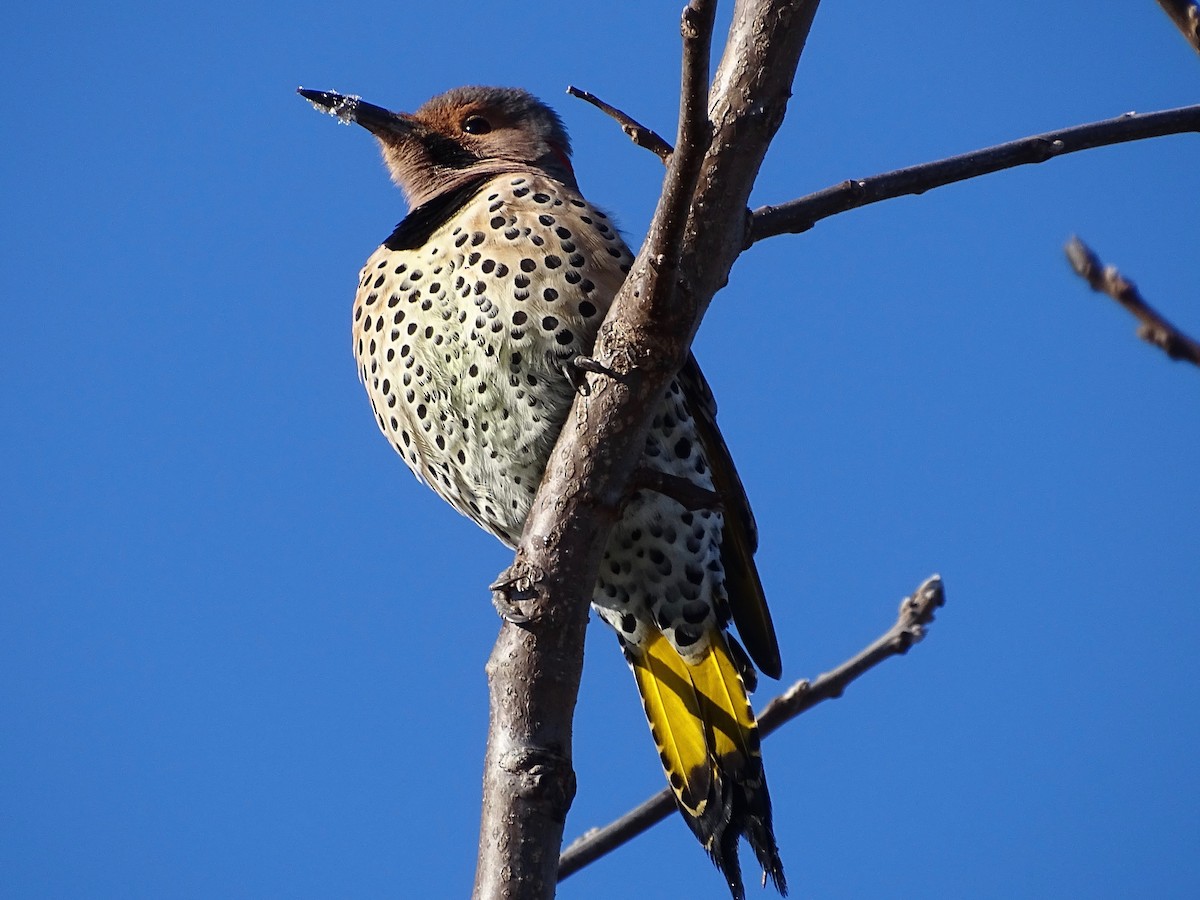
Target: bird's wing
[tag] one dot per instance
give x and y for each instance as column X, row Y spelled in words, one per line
column 747, row 602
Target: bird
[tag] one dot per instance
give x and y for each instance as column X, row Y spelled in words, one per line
column 469, row 322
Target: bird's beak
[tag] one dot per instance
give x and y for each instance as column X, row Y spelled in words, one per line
column 380, row 122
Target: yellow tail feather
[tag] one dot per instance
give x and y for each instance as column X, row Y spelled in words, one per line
column 707, row 739
column 676, row 721
column 726, row 708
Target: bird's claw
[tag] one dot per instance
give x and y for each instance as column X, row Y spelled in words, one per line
column 509, row 589
column 576, row 367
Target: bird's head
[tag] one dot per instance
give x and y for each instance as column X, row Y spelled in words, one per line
column 458, row 136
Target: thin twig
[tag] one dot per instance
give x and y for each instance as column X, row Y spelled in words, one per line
column 1186, row 16
column 695, row 132
column 802, row 214
column 644, row 137
column 916, row 612
column 683, row 491
column 1154, row 329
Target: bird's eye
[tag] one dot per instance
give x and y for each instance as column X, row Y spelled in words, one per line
column 476, row 125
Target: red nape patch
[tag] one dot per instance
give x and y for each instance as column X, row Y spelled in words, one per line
column 562, row 156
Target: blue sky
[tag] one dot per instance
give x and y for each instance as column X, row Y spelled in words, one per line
column 242, row 649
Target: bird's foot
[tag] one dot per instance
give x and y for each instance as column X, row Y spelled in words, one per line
column 513, row 586
column 576, row 368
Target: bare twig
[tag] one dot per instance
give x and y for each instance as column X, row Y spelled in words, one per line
column 644, row 137
column 802, row 214
column 1186, row 16
column 1154, row 329
column 916, row 612
column 683, row 491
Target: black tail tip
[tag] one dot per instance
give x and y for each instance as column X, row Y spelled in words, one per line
column 733, row 877
column 725, row 854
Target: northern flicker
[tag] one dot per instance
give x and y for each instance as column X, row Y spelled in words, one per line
column 466, row 324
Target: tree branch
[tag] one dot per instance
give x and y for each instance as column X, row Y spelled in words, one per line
column 916, row 612
column 644, row 137
column 697, row 232
column 1154, row 329
column 802, row 214
column 1186, row 16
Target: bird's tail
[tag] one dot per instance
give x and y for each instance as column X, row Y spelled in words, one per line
column 707, row 739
